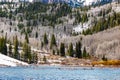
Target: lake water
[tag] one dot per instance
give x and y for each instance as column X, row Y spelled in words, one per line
column 58, row 73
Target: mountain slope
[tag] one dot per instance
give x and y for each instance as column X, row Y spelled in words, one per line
column 102, row 43
column 75, row 3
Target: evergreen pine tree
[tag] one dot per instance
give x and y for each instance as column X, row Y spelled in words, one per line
column 26, row 38
column 45, row 39
column 57, row 51
column 78, row 50
column 34, row 58
column 3, row 46
column 27, row 52
column 36, row 35
column 5, row 38
column 84, row 53
column 71, row 50
column 4, row 51
column 10, row 50
column 104, row 58
column 53, row 41
column 62, row 49
column 16, row 53
column 53, row 51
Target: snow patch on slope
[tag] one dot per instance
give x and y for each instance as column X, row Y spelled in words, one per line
column 8, row 61
column 80, row 27
column 89, row 2
column 76, row 3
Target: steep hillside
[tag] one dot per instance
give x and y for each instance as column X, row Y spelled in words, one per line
column 103, row 43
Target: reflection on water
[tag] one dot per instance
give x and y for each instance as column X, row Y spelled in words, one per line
column 58, row 73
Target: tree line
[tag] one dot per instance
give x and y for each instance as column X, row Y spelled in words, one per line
column 104, row 23
column 61, row 50
column 13, row 50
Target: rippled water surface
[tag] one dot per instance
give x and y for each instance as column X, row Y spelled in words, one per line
column 58, row 73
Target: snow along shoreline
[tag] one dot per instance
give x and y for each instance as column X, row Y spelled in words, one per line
column 8, row 61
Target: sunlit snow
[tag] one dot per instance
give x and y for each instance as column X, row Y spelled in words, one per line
column 8, row 61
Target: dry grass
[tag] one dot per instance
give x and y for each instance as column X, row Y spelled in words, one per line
column 109, row 62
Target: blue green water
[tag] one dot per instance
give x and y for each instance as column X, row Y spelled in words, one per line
column 58, row 73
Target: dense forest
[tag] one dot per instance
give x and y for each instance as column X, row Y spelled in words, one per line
column 13, row 50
